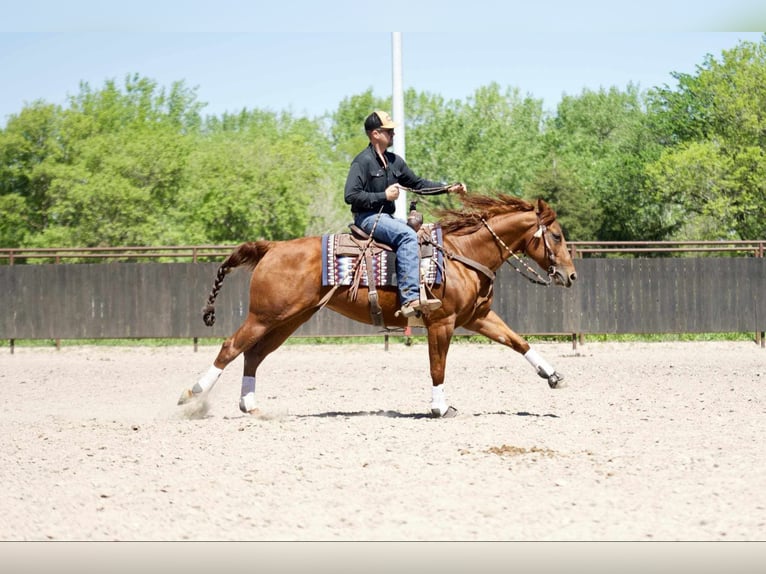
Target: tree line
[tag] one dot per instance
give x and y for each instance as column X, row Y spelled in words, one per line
column 137, row 164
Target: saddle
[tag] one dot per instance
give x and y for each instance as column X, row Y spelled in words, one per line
column 355, row 259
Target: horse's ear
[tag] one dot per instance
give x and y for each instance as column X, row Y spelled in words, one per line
column 541, row 206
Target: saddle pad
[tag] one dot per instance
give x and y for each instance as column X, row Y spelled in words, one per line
column 336, row 269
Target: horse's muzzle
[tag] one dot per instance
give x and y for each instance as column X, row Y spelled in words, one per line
column 561, row 278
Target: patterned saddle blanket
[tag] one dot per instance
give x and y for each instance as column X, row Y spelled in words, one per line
column 340, row 252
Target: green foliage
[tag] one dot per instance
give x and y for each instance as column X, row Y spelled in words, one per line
column 28, row 144
column 491, row 142
column 137, row 164
column 140, row 102
column 254, row 177
column 596, row 149
column 711, row 174
column 240, row 192
column 14, row 222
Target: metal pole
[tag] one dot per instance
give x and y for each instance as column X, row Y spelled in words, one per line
column 397, row 100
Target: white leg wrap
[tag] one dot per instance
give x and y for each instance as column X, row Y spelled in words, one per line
column 542, row 366
column 438, row 399
column 247, row 402
column 207, row 380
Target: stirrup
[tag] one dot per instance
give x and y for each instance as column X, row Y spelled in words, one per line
column 425, row 304
column 416, row 307
column 429, row 305
column 408, row 309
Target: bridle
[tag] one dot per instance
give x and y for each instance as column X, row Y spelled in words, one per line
column 526, row 271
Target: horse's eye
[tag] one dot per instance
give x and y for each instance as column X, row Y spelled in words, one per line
column 556, row 237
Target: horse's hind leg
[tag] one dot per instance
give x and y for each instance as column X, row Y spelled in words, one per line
column 244, row 338
column 255, row 355
column 256, row 340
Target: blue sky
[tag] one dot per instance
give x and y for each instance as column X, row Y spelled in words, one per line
column 306, row 57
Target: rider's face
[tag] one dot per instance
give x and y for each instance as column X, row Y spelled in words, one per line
column 387, row 135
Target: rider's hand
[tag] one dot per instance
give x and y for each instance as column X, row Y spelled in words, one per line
column 457, row 188
column 392, row 192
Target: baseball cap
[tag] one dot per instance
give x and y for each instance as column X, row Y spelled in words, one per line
column 379, row 119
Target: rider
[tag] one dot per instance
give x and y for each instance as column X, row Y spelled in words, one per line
column 372, row 186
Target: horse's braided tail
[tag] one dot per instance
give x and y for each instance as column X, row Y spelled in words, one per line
column 245, row 254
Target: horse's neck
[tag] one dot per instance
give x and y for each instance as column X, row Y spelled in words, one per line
column 512, row 228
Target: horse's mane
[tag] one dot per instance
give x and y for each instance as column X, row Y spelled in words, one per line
column 477, row 207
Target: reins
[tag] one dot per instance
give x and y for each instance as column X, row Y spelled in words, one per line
column 429, row 190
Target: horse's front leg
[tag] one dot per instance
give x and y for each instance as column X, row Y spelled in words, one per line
column 493, row 327
column 439, row 337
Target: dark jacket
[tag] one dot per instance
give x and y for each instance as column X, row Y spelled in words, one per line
column 367, row 181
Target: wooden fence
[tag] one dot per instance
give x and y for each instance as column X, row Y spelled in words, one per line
column 163, row 300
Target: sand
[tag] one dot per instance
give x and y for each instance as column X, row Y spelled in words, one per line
column 649, row 441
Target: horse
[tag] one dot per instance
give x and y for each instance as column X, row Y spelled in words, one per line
column 286, row 290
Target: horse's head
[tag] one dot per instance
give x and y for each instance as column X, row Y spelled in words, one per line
column 526, row 227
column 548, row 248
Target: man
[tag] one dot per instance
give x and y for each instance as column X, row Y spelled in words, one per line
column 372, row 186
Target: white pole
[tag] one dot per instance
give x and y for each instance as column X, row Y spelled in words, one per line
column 397, row 98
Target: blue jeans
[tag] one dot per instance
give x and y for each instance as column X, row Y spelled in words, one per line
column 404, row 240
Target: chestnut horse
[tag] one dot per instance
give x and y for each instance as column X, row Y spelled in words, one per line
column 286, row 290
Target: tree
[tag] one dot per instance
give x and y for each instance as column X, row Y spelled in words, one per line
column 117, row 191
column 712, row 177
column 27, row 144
column 254, row 176
column 596, row 148
column 491, row 142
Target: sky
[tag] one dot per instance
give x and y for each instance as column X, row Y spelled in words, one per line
column 307, row 57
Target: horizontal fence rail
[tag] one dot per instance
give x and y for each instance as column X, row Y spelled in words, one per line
column 193, row 253
column 735, row 247
column 196, row 253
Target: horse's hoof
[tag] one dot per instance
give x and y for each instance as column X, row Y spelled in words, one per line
column 448, row 413
column 187, row 396
column 556, row 381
